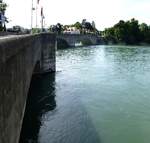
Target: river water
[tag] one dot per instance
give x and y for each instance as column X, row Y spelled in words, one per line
column 99, row 94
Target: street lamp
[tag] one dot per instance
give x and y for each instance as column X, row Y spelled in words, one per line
column 32, row 9
column 42, row 20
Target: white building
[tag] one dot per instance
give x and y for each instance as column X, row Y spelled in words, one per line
column 72, row 30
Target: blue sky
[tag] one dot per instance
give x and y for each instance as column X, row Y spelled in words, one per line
column 105, row 13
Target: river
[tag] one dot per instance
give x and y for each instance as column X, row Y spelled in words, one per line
column 99, row 94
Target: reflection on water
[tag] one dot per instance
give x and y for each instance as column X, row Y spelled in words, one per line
column 102, row 95
column 41, row 99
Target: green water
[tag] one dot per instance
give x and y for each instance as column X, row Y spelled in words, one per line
column 102, row 96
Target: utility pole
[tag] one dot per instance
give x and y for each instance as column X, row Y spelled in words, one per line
column 42, row 19
column 31, row 16
column 42, row 24
column 36, row 14
column 32, row 8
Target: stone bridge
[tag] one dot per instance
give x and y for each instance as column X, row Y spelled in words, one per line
column 72, row 39
column 20, row 57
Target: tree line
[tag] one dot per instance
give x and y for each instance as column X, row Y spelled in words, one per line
column 127, row 32
column 83, row 27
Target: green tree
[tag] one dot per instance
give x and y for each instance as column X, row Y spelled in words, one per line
column 3, row 6
column 120, row 31
column 109, row 35
column 145, row 32
column 59, row 28
column 134, row 32
column 78, row 25
column 127, row 32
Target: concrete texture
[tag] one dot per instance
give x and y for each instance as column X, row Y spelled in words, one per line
column 71, row 39
column 20, row 56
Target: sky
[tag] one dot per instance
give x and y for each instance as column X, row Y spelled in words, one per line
column 105, row 13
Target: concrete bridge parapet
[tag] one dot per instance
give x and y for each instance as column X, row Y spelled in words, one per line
column 20, row 56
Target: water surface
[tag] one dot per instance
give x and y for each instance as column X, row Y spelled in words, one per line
column 102, row 95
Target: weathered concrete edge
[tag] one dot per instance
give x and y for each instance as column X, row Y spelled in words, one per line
column 13, row 50
column 15, row 42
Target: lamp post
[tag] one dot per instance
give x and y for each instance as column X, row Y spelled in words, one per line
column 32, row 9
column 42, row 19
column 31, row 15
column 36, row 14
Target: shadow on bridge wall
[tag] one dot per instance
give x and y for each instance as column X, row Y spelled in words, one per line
column 41, row 99
column 18, row 57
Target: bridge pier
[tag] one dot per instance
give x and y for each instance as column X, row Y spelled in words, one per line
column 20, row 56
column 47, row 61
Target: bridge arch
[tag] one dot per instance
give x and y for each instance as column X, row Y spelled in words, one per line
column 84, row 39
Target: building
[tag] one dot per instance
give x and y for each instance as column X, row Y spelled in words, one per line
column 71, row 30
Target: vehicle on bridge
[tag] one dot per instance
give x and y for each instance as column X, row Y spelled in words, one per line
column 18, row 29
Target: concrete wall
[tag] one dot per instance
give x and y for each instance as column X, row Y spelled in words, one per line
column 48, row 58
column 18, row 58
column 76, row 38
